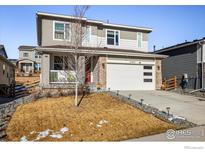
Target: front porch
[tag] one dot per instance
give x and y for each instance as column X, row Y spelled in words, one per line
column 58, row 71
column 27, row 67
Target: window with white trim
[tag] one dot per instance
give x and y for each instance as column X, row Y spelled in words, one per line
column 4, row 68
column 63, row 63
column 37, row 55
column 25, row 54
column 62, row 31
column 112, row 37
column 139, row 39
column 58, row 63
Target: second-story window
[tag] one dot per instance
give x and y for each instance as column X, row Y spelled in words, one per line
column 37, row 55
column 25, row 54
column 139, row 39
column 61, row 31
column 112, row 37
column 4, row 68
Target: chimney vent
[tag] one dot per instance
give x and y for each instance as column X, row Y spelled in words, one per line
column 154, row 48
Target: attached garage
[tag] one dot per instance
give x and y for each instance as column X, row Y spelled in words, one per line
column 130, row 75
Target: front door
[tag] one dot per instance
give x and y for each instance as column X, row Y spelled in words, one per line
column 88, row 71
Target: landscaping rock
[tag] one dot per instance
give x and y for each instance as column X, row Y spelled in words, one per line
column 54, row 94
column 180, row 121
column 7, row 110
column 2, row 134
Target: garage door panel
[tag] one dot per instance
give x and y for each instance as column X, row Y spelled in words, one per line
column 126, row 77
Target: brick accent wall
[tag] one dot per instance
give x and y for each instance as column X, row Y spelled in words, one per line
column 99, row 71
column 158, row 70
column 102, row 71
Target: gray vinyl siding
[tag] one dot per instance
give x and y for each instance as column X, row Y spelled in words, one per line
column 180, row 61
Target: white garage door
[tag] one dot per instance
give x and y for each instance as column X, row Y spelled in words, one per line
column 130, row 77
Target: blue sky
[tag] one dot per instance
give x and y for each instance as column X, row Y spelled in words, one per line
column 171, row 24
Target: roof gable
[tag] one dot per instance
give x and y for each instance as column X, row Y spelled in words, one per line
column 3, row 51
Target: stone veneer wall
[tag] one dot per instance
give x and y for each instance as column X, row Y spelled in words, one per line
column 158, row 70
column 7, row 110
column 99, row 72
column 102, row 71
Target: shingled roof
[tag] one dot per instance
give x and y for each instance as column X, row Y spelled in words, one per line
column 184, row 44
column 26, row 47
column 3, row 51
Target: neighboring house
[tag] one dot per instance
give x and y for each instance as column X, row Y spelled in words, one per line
column 29, row 60
column 7, row 74
column 121, row 60
column 13, row 61
column 185, row 58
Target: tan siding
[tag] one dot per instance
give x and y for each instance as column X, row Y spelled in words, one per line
column 144, row 37
column 128, row 35
column 98, row 38
column 8, row 70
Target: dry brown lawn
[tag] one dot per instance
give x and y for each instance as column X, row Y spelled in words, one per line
column 123, row 121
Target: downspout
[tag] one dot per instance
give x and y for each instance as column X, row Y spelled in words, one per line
column 202, row 69
column 202, row 66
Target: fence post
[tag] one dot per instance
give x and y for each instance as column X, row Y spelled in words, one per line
column 175, row 82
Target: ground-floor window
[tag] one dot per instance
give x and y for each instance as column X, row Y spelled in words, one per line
column 148, row 75
column 64, row 63
column 58, row 62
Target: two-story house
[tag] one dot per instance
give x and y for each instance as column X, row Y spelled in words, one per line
column 185, row 58
column 29, row 60
column 121, row 60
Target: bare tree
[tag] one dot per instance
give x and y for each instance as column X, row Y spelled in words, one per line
column 76, row 59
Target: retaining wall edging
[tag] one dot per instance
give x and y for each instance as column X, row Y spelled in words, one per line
column 7, row 110
column 183, row 123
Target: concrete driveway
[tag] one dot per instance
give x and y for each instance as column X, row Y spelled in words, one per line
column 190, row 107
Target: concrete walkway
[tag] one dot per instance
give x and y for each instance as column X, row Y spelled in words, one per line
column 192, row 134
column 190, row 107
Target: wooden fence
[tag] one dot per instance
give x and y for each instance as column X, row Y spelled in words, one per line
column 170, row 83
column 25, row 89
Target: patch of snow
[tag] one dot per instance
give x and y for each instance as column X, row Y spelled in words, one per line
column 170, row 118
column 176, row 117
column 99, row 125
column 64, row 129
column 56, row 136
column 32, row 132
column 103, row 121
column 43, row 134
column 23, row 139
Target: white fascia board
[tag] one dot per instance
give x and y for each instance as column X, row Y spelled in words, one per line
column 60, row 16
column 95, row 21
column 130, row 27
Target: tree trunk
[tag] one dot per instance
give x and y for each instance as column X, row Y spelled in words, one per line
column 76, row 93
column 76, row 80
